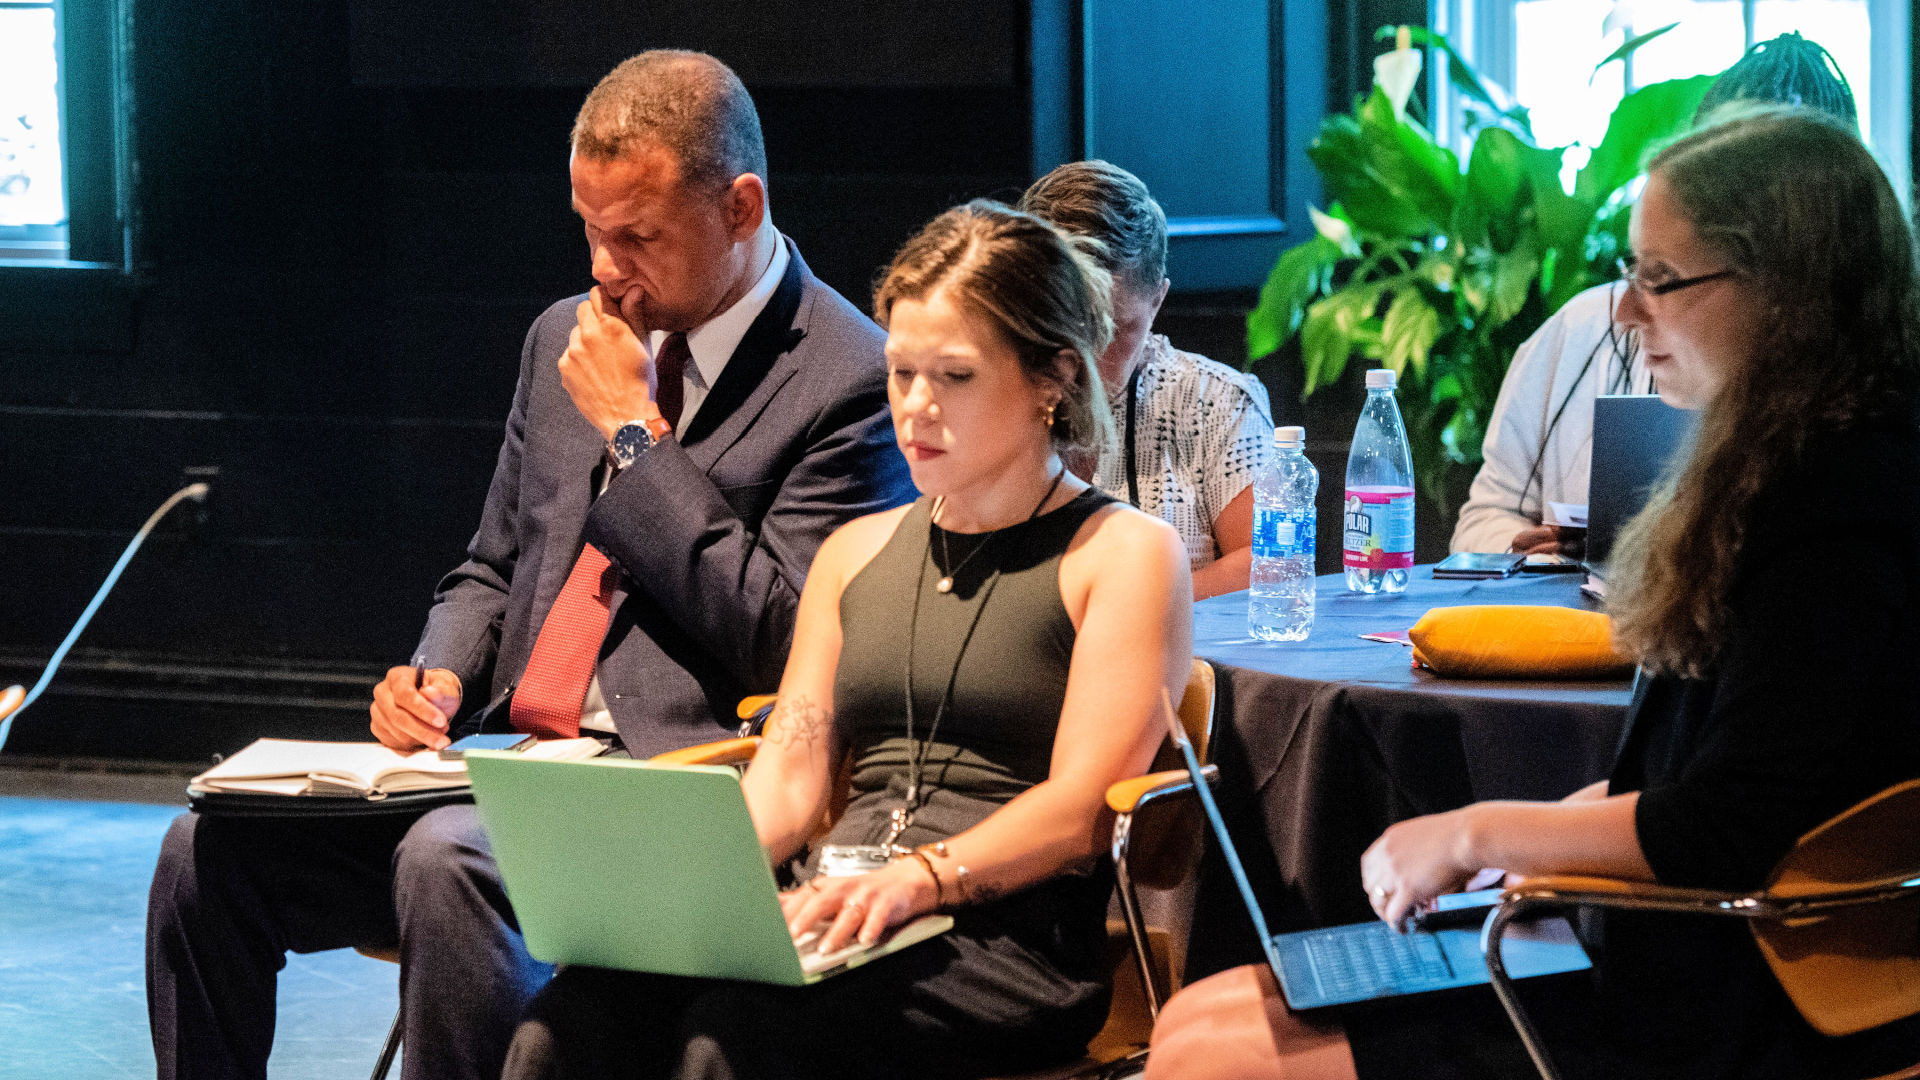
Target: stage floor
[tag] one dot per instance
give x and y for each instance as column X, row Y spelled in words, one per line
column 73, row 894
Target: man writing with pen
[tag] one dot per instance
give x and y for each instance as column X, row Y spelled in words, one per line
column 680, row 441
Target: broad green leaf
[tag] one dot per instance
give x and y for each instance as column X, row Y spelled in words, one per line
column 1409, row 330
column 1475, row 287
column 1549, row 266
column 1492, row 209
column 1628, row 48
column 1299, row 274
column 1438, row 269
column 1463, row 436
column 1324, row 345
column 1643, row 119
column 1346, row 169
column 1513, row 275
column 1408, row 162
column 1327, row 335
column 1561, row 218
column 1367, row 341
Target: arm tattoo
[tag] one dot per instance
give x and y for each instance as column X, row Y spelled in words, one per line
column 798, row 722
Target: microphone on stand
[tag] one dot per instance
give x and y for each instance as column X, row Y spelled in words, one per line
column 14, row 700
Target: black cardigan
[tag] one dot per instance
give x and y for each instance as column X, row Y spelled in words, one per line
column 1812, row 704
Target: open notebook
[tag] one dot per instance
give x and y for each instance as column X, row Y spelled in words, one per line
column 360, row 770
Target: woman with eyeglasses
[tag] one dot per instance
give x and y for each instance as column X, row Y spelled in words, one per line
column 1771, row 594
column 1539, row 443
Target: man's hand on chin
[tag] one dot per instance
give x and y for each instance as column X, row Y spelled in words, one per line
column 604, row 369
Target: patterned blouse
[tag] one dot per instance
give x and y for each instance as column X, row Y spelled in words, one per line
column 1201, row 430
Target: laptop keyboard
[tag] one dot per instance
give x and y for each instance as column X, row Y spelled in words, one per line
column 1374, row 958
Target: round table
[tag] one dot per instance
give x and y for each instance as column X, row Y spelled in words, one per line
column 1323, row 743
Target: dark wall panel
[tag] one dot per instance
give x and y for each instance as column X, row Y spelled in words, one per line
column 546, row 42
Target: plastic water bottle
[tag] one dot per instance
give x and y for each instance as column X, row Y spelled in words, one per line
column 1377, row 523
column 1280, row 604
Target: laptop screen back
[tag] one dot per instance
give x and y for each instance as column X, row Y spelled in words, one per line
column 1635, row 436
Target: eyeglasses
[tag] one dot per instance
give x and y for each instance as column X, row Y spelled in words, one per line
column 1630, row 273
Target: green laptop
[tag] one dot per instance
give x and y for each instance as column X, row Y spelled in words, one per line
column 618, row 863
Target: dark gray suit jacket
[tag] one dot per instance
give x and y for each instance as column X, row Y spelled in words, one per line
column 713, row 531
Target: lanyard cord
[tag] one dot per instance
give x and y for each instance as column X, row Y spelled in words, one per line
column 918, row 750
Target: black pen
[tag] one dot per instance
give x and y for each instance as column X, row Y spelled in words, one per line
column 419, row 674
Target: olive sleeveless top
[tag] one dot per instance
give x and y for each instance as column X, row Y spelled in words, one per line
column 1001, row 637
column 1008, row 673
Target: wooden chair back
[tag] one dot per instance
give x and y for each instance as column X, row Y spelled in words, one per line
column 1851, row 968
column 1167, row 839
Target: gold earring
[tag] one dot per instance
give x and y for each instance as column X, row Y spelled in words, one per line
column 1049, row 417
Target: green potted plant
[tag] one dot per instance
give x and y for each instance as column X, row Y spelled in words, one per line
column 1440, row 272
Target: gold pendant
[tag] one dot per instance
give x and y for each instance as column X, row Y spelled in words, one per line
column 943, row 586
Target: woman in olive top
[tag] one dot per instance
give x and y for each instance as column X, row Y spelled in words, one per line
column 994, row 657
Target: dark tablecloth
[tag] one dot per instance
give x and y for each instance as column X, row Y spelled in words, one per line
column 1324, row 743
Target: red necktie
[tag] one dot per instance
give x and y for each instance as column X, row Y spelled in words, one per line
column 554, row 686
column 548, row 700
column 669, row 375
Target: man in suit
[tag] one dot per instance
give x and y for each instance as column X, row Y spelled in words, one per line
column 681, row 441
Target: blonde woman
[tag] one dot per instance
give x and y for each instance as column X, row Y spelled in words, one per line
column 993, row 656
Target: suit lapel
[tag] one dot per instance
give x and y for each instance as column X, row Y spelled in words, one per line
column 759, row 366
column 745, row 380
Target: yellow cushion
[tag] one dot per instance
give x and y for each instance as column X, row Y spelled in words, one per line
column 1503, row 641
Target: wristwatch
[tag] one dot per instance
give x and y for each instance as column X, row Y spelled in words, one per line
column 636, row 437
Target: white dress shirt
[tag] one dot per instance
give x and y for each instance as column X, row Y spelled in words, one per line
column 1539, row 445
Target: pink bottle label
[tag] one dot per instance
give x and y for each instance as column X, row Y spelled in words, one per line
column 1378, row 528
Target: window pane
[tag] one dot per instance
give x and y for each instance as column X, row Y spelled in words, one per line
column 1556, row 45
column 1710, row 38
column 31, row 188
column 1557, row 42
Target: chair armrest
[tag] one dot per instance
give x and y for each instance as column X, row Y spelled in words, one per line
column 1131, row 794
column 723, row 752
column 751, row 706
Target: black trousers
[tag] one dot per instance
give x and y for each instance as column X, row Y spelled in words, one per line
column 232, row 896
column 974, row 1002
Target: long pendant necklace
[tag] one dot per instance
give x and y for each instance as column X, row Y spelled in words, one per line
column 917, row 750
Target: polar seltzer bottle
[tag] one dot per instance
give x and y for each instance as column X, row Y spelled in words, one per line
column 1377, row 517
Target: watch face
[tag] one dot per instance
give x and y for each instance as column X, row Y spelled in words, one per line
column 630, row 442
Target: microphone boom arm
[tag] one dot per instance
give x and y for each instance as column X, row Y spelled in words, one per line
column 11, row 703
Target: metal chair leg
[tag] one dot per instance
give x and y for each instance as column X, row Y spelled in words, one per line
column 388, row 1050
column 1136, row 922
column 1491, row 933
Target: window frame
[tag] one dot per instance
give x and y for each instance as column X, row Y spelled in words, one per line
column 95, row 110
column 1484, row 32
